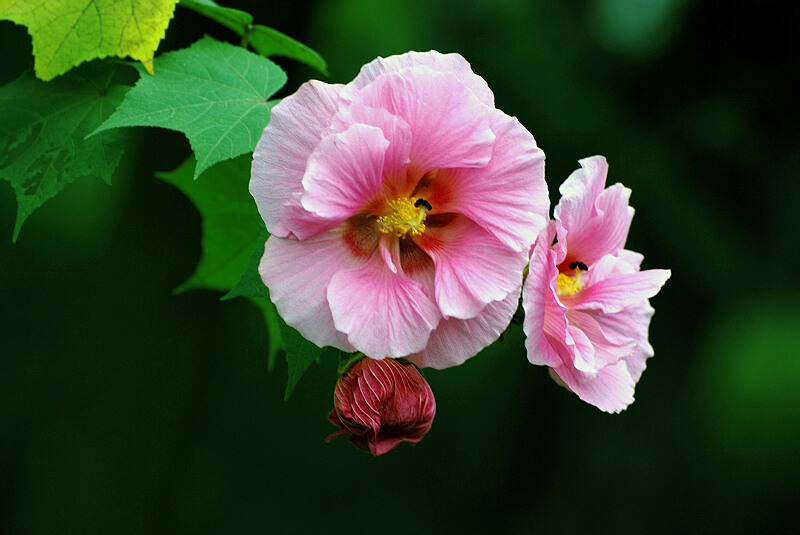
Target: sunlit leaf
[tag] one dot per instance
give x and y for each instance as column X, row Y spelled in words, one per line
column 42, row 131
column 65, row 33
column 215, row 93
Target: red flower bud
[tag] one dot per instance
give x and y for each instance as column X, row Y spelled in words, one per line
column 382, row 403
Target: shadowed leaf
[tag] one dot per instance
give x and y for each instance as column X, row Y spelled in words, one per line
column 230, row 220
column 42, row 131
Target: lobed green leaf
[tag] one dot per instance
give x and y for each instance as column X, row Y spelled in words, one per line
column 231, row 224
column 215, row 93
column 65, row 33
column 43, row 144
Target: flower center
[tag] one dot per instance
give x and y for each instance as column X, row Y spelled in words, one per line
column 571, row 285
column 408, row 215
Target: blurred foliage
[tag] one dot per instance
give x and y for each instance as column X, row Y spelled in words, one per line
column 124, row 408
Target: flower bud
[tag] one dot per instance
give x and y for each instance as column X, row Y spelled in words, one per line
column 382, row 403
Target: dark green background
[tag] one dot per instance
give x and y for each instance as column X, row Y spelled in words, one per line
column 125, row 409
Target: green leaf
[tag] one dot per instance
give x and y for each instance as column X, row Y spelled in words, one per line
column 266, row 41
column 215, row 93
column 250, row 283
column 65, row 33
column 230, row 220
column 272, row 320
column 43, row 129
column 269, row 42
column 252, row 287
column 234, row 19
column 300, row 354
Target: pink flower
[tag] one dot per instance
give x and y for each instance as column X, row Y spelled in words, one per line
column 401, row 207
column 382, row 403
column 585, row 300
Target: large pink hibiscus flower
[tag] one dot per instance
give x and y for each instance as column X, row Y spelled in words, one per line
column 401, row 209
column 586, row 302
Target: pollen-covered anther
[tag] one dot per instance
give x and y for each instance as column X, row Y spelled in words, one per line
column 407, row 216
column 567, row 285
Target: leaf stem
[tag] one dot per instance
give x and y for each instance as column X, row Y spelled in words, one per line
column 246, row 36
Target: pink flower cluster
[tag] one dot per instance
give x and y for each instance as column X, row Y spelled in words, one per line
column 403, row 208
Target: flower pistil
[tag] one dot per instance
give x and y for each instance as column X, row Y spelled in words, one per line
column 571, row 285
column 407, row 215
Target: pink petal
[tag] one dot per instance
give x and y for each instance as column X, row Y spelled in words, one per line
column 609, row 347
column 508, row 197
column 297, row 274
column 452, row 63
column 545, row 317
column 596, row 220
column 579, row 351
column 345, row 172
column 395, row 130
column 296, row 126
column 472, row 267
column 384, row 314
column 616, row 293
column 631, row 258
column 580, row 191
column 610, row 390
column 450, row 125
column 632, row 322
column 456, row 340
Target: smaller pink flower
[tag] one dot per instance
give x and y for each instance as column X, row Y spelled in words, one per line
column 586, row 302
column 382, row 403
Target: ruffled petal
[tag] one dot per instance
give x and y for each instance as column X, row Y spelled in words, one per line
column 455, row 340
column 580, row 191
column 297, row 274
column 609, row 348
column 450, row 126
column 629, row 326
column 472, row 267
column 632, row 258
column 345, row 173
column 384, row 314
column 579, row 351
column 616, row 293
column 610, row 389
column 596, row 220
column 545, row 317
column 451, row 63
column 395, row 130
column 297, row 124
column 508, row 197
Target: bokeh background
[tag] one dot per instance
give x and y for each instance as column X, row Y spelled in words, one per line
column 126, row 409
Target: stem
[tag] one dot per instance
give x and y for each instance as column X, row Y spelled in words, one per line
column 246, row 36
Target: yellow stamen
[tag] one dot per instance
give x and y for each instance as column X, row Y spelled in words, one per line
column 569, row 285
column 405, row 217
